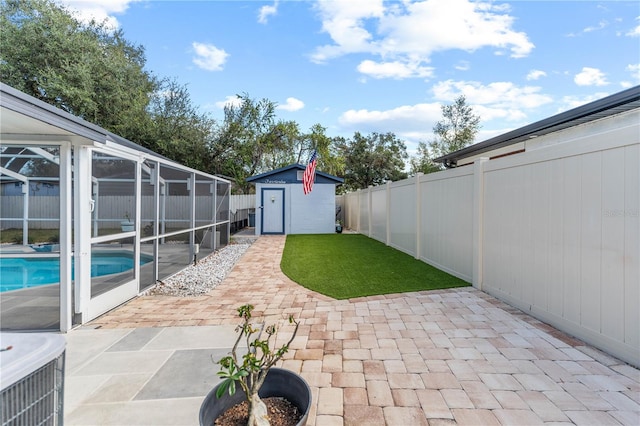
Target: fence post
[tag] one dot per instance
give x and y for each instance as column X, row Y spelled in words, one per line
column 388, row 212
column 418, row 215
column 369, row 208
column 478, row 220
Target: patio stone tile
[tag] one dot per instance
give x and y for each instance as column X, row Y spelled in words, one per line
column 517, row 353
column 587, row 397
column 591, row 418
column 405, row 397
column 348, row 380
column 428, row 366
column 564, row 401
column 627, row 418
column 474, row 417
column 385, row 353
column 402, row 416
column 543, row 407
column 537, row 382
column 361, row 354
column 332, row 363
column 379, row 393
column 466, row 353
column 436, row 353
column 405, row 381
column 456, row 398
column 620, row 401
column 311, row 365
column 500, row 382
column 480, row 395
column 330, row 401
column 440, row 381
column 433, row 404
column 510, row 400
column 351, row 366
column 601, row 383
column 462, row 370
column 386, row 342
column 363, row 415
column 517, row 417
column 324, row 420
column 394, row 366
column 355, row 396
column 374, row 370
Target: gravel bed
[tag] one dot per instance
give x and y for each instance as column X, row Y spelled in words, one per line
column 205, row 275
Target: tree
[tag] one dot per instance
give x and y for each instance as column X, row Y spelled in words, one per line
column 85, row 69
column 177, row 130
column 372, row 159
column 456, row 130
column 422, row 162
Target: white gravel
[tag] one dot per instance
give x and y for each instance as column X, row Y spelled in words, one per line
column 205, row 275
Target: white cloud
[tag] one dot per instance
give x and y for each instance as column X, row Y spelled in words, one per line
column 502, row 95
column 229, row 101
column 409, row 33
column 634, row 70
column 569, row 102
column 634, row 32
column 403, row 119
column 100, row 10
column 536, row 74
column 395, row 69
column 266, row 11
column 292, row 104
column 209, row 57
column 590, row 77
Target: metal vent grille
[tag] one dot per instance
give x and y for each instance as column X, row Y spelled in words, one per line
column 36, row 399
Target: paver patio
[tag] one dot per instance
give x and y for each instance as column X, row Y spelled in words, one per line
column 446, row 357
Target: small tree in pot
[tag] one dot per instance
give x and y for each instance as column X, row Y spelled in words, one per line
column 252, row 371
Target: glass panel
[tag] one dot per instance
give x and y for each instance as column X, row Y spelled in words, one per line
column 30, row 262
column 205, row 189
column 114, row 194
column 222, row 201
column 148, row 205
column 174, row 254
column 147, row 269
column 175, row 200
column 112, row 265
column 207, row 238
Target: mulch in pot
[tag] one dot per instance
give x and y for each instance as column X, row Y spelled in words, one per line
column 281, row 413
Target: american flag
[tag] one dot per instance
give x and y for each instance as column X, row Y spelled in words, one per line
column 309, row 173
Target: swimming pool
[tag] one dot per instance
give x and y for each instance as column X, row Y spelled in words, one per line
column 25, row 272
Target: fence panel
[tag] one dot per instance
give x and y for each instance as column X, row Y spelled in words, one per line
column 402, row 212
column 446, row 237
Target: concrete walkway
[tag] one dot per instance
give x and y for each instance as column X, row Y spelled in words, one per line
column 440, row 358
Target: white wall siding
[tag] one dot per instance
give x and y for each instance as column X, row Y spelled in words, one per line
column 313, row 213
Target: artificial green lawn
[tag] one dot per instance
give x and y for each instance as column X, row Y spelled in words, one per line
column 344, row 266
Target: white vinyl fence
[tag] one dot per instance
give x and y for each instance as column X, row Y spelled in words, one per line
column 554, row 231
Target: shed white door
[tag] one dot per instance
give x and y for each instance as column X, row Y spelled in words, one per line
column 273, row 211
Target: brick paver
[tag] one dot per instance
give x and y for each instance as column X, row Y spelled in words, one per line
column 454, row 356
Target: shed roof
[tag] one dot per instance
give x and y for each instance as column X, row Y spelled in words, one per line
column 284, row 170
column 611, row 105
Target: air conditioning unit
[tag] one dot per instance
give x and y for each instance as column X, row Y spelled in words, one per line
column 32, row 379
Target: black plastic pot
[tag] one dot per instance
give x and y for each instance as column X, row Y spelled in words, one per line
column 279, row 382
column 339, row 229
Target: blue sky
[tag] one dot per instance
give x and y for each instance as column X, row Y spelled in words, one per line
column 387, row 66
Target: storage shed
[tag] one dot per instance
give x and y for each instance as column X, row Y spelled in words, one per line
column 283, row 208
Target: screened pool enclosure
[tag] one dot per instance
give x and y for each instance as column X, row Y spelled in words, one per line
column 89, row 220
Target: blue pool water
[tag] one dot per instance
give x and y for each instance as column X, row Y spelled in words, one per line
column 26, row 272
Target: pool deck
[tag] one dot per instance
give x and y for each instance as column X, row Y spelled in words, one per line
column 446, row 357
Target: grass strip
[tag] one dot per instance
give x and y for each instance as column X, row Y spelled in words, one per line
column 345, row 266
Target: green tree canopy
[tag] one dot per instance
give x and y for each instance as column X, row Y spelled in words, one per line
column 456, row 130
column 372, row 159
column 87, row 69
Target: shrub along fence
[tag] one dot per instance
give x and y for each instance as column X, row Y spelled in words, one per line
column 553, row 231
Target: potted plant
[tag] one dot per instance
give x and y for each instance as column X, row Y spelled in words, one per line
column 339, row 226
column 250, row 380
column 127, row 225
